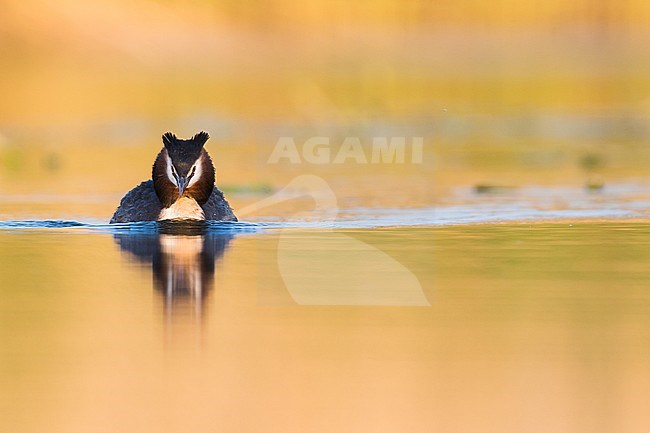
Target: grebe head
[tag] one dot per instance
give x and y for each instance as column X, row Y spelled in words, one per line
column 183, row 168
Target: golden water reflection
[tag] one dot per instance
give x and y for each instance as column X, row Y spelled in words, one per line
column 530, row 327
column 182, row 260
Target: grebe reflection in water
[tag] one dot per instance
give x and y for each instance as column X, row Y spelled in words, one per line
column 182, row 257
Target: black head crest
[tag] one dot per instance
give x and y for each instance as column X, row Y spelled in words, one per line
column 170, row 140
column 184, row 153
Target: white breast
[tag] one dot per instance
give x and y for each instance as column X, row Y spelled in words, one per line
column 184, row 208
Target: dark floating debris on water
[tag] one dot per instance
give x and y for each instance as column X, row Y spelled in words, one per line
column 486, row 188
column 595, row 184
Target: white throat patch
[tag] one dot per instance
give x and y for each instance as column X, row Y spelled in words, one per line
column 185, row 208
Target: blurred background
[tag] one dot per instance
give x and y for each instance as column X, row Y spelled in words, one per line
column 531, row 327
column 504, row 93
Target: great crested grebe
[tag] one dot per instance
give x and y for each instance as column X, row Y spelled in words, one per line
column 182, row 186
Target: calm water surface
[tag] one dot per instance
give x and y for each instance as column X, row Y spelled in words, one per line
column 500, row 327
column 500, row 284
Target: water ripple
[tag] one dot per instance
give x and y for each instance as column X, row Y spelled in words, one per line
column 145, row 227
column 464, row 206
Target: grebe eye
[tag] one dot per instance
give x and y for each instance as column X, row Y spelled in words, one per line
column 192, row 172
